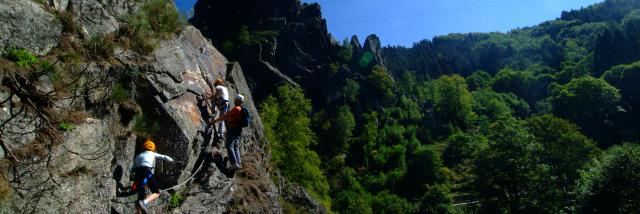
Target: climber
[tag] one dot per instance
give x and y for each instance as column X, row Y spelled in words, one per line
column 235, row 120
column 142, row 168
column 221, row 101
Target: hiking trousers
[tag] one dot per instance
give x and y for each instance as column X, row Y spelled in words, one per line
column 233, row 148
column 223, row 107
column 142, row 173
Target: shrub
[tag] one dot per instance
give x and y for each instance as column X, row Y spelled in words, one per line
column 175, row 200
column 64, row 126
column 287, row 126
column 156, row 19
column 119, row 94
column 99, row 47
column 22, row 57
column 71, row 58
column 68, row 24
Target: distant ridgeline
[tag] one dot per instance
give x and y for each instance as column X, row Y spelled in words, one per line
column 527, row 121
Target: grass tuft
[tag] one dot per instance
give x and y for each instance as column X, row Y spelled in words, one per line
column 22, row 57
column 157, row 19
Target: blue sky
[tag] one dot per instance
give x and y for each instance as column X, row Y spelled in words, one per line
column 403, row 22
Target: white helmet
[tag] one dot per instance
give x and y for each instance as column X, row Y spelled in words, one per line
column 240, row 98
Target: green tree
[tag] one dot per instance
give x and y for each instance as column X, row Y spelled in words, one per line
column 425, row 168
column 381, row 82
column 522, row 83
column 565, row 151
column 287, row 126
column 437, row 199
column 590, row 103
column 352, row 197
column 346, row 51
column 612, row 184
column 625, row 77
column 386, row 202
column 244, row 37
column 492, row 106
column 343, row 127
column 452, row 101
column 350, row 90
column 510, row 174
column 463, row 148
column 369, row 137
column 479, row 80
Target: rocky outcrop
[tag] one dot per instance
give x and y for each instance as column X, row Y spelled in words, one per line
column 297, row 50
column 83, row 166
column 26, row 24
column 368, row 56
column 355, row 45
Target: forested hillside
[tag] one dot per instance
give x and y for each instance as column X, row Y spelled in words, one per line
column 541, row 119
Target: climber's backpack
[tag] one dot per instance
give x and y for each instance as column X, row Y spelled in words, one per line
column 246, row 117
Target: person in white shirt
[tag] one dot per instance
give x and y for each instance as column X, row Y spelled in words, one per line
column 221, row 101
column 142, row 168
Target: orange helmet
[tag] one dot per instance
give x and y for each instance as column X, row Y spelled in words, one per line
column 149, row 145
column 218, row 82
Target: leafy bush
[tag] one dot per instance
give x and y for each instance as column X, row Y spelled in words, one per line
column 287, row 126
column 156, row 19
column 175, row 200
column 22, row 57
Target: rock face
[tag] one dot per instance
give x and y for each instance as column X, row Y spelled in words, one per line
column 287, row 43
column 97, row 17
column 371, row 54
column 296, row 49
column 85, row 167
column 27, row 25
column 81, row 172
